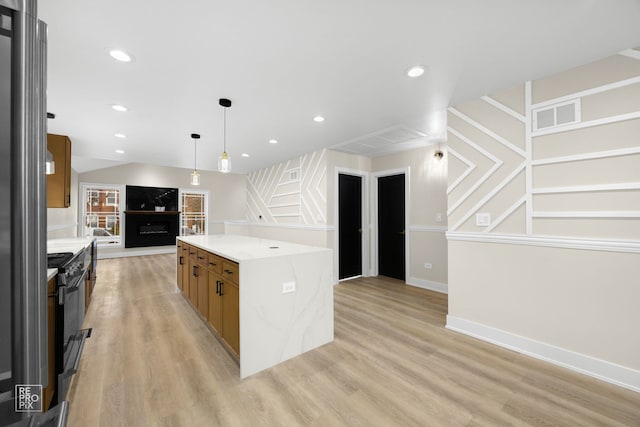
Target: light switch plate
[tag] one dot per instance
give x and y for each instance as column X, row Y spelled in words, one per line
column 428, row 265
column 439, row 217
column 483, row 219
column 288, row 287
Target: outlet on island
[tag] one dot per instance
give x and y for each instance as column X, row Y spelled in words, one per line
column 428, row 265
column 288, row 287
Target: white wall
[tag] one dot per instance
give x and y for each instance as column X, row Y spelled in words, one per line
column 555, row 274
column 227, row 192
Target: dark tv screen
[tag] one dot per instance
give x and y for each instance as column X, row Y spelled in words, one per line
column 147, row 198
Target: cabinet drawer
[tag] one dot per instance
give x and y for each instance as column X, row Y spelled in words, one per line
column 193, row 252
column 215, row 263
column 230, row 271
column 202, row 257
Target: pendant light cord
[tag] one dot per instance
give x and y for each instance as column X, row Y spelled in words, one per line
column 224, row 131
column 195, row 154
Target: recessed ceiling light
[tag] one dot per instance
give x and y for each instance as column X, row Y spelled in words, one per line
column 119, row 107
column 273, row 141
column 245, row 155
column 120, row 151
column 416, row 71
column 318, row 119
column 120, row 135
column 120, row 55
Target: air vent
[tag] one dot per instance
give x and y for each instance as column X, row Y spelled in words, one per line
column 293, row 175
column 556, row 115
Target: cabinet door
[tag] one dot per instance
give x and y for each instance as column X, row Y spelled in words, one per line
column 231, row 315
column 203, row 289
column 49, row 390
column 59, row 183
column 179, row 265
column 185, row 269
column 193, row 282
column 215, row 302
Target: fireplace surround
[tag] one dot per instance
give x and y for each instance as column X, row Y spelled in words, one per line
column 152, row 217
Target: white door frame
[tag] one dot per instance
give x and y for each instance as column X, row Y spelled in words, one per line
column 374, row 217
column 365, row 219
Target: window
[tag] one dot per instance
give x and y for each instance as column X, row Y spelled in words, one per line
column 556, row 115
column 101, row 213
column 112, row 198
column 193, row 208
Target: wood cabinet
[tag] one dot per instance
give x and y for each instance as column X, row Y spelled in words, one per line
column 230, row 294
column 49, row 390
column 212, row 286
column 203, row 283
column 180, row 261
column 193, row 279
column 59, row 183
column 215, row 302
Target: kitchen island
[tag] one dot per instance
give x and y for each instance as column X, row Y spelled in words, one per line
column 277, row 297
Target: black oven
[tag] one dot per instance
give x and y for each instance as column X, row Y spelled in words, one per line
column 70, row 289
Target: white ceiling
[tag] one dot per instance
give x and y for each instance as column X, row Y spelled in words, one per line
column 282, row 62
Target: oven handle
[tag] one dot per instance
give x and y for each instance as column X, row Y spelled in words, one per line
column 64, row 290
column 86, row 333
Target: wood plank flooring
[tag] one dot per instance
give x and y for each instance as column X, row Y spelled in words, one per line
column 152, row 362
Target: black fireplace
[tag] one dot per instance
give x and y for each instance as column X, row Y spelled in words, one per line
column 151, row 216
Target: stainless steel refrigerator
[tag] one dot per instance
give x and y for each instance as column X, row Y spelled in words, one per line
column 23, row 291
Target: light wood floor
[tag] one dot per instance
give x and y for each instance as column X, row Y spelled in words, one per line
column 151, row 361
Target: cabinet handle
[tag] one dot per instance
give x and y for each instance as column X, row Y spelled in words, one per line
column 221, row 293
column 195, row 270
column 200, row 257
column 213, row 264
column 228, row 271
column 217, row 287
column 181, row 260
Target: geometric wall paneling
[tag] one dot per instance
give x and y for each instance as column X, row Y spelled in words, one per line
column 291, row 192
column 502, row 194
column 572, row 180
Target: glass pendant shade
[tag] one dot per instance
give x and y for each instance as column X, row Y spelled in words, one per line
column 224, row 163
column 195, row 178
column 50, row 165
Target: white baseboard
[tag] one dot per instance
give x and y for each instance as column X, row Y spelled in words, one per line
column 135, row 252
column 443, row 288
column 606, row 371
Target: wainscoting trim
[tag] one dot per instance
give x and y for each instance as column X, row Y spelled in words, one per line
column 597, row 368
column 627, row 246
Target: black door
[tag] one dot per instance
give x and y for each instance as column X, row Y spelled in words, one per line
column 391, row 230
column 349, row 226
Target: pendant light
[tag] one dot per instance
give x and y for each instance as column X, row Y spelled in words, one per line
column 224, row 162
column 195, row 176
column 50, row 164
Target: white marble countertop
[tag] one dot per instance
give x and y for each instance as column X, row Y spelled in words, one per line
column 243, row 248
column 68, row 244
column 51, row 273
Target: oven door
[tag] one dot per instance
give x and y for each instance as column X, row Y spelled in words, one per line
column 71, row 298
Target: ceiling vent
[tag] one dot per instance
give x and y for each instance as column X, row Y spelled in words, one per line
column 397, row 138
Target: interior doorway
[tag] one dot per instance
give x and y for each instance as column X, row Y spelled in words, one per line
column 391, row 226
column 349, row 226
